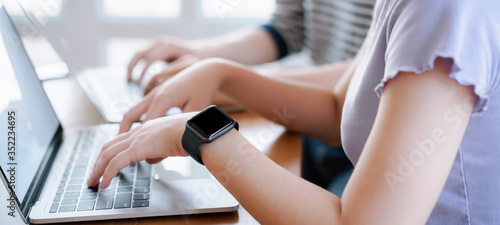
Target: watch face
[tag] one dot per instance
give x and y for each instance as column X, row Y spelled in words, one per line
column 210, row 122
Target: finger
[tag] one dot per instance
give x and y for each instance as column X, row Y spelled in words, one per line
column 153, row 55
column 177, row 63
column 157, row 109
column 137, row 57
column 134, row 114
column 193, row 105
column 103, row 160
column 116, row 140
column 150, row 61
column 180, row 64
column 152, row 84
column 120, row 161
column 119, row 138
column 173, row 68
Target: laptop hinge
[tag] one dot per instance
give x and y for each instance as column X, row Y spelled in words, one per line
column 34, row 193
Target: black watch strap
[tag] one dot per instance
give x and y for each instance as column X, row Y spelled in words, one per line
column 191, row 143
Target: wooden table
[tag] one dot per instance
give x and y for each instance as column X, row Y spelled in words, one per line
column 74, row 109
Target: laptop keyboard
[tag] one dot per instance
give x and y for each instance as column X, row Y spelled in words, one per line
column 126, row 98
column 130, row 188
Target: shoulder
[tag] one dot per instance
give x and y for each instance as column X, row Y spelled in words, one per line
column 443, row 16
column 445, row 7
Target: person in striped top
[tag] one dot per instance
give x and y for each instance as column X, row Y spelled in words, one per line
column 330, row 32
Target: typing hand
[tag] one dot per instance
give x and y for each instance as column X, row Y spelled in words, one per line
column 193, row 89
column 172, row 69
column 152, row 141
column 164, row 48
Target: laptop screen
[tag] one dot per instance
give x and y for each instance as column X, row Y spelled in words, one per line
column 28, row 122
column 46, row 60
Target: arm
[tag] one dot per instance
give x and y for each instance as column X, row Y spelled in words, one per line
column 323, row 77
column 297, row 106
column 403, row 117
column 411, row 108
column 247, row 45
column 282, row 36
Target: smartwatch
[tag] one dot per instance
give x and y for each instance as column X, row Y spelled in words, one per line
column 205, row 127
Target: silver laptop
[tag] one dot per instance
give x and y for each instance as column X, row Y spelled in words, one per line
column 111, row 94
column 44, row 57
column 106, row 87
column 52, row 164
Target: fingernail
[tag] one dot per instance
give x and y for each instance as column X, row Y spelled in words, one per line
column 103, row 184
column 91, row 184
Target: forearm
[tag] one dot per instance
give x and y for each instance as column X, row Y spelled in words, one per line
column 248, row 46
column 247, row 173
column 325, row 76
column 298, row 107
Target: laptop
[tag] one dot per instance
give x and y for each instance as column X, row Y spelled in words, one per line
column 106, row 87
column 45, row 58
column 47, row 166
column 111, row 93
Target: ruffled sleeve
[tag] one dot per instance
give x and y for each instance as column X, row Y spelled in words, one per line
column 420, row 31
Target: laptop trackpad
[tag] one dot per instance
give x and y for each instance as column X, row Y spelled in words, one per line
column 179, row 168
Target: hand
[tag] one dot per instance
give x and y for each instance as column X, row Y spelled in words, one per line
column 192, row 89
column 152, row 141
column 172, row 69
column 164, row 48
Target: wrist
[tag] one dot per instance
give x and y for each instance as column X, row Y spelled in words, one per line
column 205, row 127
column 204, row 49
column 181, row 127
column 218, row 70
column 221, row 149
column 226, row 71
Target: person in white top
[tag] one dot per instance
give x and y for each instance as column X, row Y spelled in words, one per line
column 420, row 122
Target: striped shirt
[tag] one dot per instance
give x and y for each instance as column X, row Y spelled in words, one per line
column 330, row 30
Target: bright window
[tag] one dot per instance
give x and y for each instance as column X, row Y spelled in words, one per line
column 142, row 8
column 253, row 9
column 119, row 51
column 40, row 10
